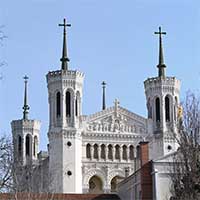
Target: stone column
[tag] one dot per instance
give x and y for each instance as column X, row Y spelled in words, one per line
column 106, row 152
column 120, row 153
column 99, row 152
column 113, row 152
column 92, row 151
column 128, row 153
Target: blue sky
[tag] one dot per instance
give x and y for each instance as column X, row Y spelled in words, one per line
column 109, row 40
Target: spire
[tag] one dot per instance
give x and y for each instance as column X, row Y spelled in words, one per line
column 161, row 66
column 64, row 59
column 25, row 107
column 104, row 96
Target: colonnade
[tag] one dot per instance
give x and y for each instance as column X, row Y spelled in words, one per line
column 110, row 152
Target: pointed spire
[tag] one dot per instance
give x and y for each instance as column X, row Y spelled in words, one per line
column 161, row 66
column 104, row 96
column 64, row 60
column 25, row 107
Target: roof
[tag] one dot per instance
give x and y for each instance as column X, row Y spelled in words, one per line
column 31, row 196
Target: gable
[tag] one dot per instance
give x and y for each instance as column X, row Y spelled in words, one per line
column 116, row 119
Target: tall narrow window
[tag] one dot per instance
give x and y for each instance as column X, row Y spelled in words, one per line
column 88, row 151
column 76, row 104
column 103, row 152
column 35, row 146
column 175, row 109
column 117, row 152
column 68, row 104
column 110, row 154
column 96, row 151
column 131, row 152
column 58, row 104
column 157, row 109
column 167, row 109
column 19, row 145
column 27, row 145
column 124, row 153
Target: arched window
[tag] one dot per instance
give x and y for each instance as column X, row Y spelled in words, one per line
column 149, row 108
column 110, row 154
column 35, row 144
column 96, row 151
column 88, row 151
column 138, row 151
column 167, row 109
column 58, row 103
column 117, row 153
column 28, row 145
column 115, row 180
column 131, row 152
column 175, row 108
column 77, row 104
column 157, row 102
column 95, row 185
column 68, row 104
column 76, row 107
column 19, row 145
column 103, row 153
column 124, row 152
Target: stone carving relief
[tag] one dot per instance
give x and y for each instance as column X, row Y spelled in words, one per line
column 116, row 123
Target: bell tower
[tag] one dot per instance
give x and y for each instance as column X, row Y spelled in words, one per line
column 65, row 108
column 25, row 135
column 162, row 96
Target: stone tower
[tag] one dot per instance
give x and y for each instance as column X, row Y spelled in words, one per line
column 25, row 135
column 65, row 141
column 162, row 95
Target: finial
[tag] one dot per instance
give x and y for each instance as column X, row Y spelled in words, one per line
column 104, row 96
column 116, row 102
column 161, row 66
column 64, row 59
column 25, row 107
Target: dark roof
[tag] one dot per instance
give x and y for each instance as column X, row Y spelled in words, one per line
column 30, row 196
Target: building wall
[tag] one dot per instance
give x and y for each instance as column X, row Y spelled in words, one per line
column 162, row 180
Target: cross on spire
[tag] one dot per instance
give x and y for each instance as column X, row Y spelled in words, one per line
column 64, row 59
column 161, row 66
column 25, row 107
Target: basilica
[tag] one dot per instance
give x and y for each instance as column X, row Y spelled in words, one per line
column 94, row 153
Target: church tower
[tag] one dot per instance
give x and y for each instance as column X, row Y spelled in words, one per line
column 162, row 95
column 25, row 135
column 65, row 108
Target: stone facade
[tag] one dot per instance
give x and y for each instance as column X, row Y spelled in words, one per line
column 88, row 154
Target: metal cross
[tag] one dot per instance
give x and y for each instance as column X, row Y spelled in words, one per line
column 104, row 83
column 25, row 78
column 65, row 24
column 160, row 33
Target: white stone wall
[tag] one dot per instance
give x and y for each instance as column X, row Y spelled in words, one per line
column 23, row 128
column 162, row 180
column 65, row 159
column 130, row 188
column 162, row 140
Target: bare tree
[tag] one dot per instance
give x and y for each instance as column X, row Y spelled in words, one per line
column 186, row 166
column 2, row 37
column 6, row 161
column 30, row 179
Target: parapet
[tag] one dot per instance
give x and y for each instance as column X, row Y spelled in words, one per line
column 64, row 74
column 159, row 81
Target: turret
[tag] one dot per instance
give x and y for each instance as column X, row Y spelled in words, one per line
column 65, row 108
column 162, row 95
column 25, row 135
